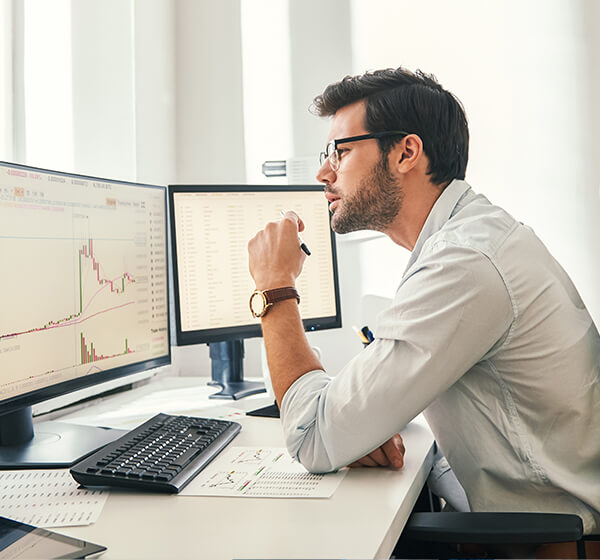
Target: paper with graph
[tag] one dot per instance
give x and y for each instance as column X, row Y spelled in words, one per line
column 261, row 472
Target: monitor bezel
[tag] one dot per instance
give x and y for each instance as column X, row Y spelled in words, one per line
column 36, row 396
column 251, row 330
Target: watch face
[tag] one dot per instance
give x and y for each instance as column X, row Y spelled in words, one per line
column 258, row 303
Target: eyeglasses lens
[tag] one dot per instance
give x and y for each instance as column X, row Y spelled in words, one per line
column 332, row 155
column 334, row 160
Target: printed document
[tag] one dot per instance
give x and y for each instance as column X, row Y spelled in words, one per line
column 265, row 472
column 48, row 498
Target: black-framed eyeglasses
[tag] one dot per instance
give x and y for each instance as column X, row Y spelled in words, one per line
column 333, row 155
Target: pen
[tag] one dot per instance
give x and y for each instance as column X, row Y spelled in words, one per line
column 361, row 335
column 366, row 331
column 302, row 244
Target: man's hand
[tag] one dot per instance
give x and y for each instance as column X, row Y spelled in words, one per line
column 275, row 257
column 390, row 454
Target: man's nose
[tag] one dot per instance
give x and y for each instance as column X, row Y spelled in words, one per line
column 325, row 173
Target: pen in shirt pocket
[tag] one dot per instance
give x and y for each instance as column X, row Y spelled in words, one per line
column 365, row 335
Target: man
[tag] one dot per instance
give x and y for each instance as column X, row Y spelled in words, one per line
column 487, row 335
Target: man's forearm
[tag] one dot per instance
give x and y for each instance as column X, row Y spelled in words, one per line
column 289, row 354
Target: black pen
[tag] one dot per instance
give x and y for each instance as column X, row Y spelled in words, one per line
column 302, row 244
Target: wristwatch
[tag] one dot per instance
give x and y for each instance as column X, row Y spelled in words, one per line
column 261, row 301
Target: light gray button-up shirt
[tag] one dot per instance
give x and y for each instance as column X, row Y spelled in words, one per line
column 490, row 338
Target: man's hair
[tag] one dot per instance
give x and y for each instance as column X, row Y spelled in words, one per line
column 415, row 102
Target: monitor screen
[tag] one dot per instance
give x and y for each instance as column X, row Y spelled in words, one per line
column 211, row 227
column 84, row 294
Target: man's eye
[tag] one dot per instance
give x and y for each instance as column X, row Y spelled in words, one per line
column 341, row 151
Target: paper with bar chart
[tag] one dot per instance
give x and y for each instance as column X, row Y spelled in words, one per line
column 85, row 282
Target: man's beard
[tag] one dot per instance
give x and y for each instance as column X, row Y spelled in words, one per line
column 373, row 206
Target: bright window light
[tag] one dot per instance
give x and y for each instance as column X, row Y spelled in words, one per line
column 48, row 84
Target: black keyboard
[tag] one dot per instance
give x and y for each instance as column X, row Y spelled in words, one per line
column 163, row 454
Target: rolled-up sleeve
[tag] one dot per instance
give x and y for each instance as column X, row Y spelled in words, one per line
column 451, row 310
column 299, row 413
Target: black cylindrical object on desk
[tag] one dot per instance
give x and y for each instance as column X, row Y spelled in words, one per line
column 227, row 361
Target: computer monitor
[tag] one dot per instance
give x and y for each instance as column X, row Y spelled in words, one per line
column 83, row 300
column 210, row 229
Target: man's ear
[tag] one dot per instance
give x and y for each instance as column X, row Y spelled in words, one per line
column 407, row 154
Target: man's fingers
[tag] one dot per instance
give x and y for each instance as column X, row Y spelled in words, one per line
column 390, row 454
column 378, row 457
column 394, row 451
column 365, row 461
column 290, row 214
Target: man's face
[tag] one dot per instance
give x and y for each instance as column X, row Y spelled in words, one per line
column 362, row 193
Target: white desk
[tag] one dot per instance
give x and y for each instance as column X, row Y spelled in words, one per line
column 363, row 519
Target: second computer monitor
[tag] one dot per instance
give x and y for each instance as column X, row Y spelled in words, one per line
column 211, row 227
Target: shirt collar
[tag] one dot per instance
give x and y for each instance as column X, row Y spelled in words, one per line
column 443, row 209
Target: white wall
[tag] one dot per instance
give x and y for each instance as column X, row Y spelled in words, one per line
column 97, row 96
column 267, row 97
column 527, row 74
column 209, row 119
column 104, row 88
column 155, row 94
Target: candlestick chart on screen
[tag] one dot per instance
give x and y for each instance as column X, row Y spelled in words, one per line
column 90, row 291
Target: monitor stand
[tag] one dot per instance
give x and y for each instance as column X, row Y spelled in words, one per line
column 227, row 371
column 269, row 411
column 52, row 445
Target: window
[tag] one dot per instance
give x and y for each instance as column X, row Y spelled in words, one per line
column 47, row 94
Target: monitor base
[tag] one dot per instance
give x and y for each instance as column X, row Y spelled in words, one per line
column 56, row 445
column 237, row 389
column 227, row 371
column 269, row 411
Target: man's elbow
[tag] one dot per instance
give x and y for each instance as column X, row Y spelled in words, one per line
column 316, row 465
column 311, row 455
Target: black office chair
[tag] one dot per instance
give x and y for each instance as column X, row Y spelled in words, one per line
column 497, row 529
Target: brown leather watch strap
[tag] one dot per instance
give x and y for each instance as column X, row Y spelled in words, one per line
column 281, row 294
column 262, row 301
